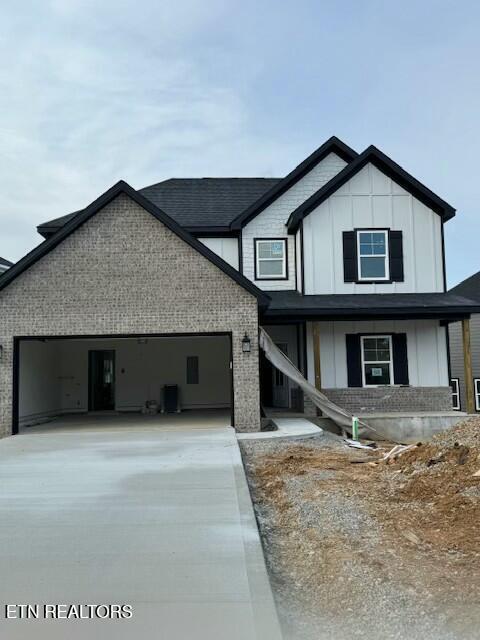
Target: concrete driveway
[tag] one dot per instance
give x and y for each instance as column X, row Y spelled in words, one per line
column 159, row 519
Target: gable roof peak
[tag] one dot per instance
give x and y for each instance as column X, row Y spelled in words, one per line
column 83, row 216
column 387, row 166
column 332, row 145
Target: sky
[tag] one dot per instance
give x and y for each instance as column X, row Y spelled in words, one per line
column 92, row 92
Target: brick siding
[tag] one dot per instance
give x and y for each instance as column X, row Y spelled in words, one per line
column 123, row 272
column 395, row 399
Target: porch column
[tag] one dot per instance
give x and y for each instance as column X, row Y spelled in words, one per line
column 316, row 355
column 467, row 363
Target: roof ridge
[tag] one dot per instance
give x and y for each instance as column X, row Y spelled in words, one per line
column 385, row 164
column 104, row 199
column 332, row 145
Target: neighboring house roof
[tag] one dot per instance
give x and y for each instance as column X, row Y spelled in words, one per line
column 198, row 204
column 332, row 145
column 5, row 263
column 388, row 167
column 122, row 187
column 335, row 306
column 469, row 288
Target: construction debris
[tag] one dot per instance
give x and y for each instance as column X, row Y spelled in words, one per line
column 355, row 444
column 397, row 451
column 341, row 523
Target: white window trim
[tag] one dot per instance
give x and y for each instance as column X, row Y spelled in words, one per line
column 258, row 260
column 389, row 362
column 386, row 256
column 476, row 390
column 455, row 382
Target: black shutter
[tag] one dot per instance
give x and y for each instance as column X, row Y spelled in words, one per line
column 400, row 358
column 354, row 360
column 350, row 256
column 396, row 256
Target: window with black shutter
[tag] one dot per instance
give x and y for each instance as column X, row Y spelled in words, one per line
column 373, row 256
column 375, row 360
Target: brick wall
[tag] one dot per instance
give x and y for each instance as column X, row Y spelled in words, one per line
column 386, row 399
column 270, row 223
column 123, row 272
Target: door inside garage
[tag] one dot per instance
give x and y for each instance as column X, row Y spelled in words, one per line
column 147, row 375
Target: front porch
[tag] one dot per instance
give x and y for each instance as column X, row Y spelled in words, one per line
column 373, row 355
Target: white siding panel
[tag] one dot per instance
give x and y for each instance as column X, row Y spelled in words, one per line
column 270, row 223
column 426, row 348
column 371, row 199
column 226, row 248
column 298, row 255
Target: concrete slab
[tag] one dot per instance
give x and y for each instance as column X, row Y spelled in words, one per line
column 159, row 519
column 410, row 426
column 286, row 428
column 189, row 420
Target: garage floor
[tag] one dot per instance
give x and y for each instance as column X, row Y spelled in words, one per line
column 158, row 518
column 191, row 420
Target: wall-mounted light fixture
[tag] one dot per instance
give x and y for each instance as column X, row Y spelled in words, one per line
column 246, row 346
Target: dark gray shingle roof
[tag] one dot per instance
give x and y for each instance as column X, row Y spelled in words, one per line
column 195, row 202
column 469, row 288
column 5, row 263
column 369, row 304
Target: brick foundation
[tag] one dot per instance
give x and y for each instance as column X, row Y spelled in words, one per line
column 391, row 399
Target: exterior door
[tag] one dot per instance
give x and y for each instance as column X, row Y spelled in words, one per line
column 280, row 385
column 101, row 380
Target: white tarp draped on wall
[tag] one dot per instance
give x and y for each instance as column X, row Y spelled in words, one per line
column 279, row 360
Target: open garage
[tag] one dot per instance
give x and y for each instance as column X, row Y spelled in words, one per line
column 122, row 375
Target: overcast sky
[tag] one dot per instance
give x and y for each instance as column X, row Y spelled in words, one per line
column 93, row 91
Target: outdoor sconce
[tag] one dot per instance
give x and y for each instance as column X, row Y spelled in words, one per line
column 246, row 346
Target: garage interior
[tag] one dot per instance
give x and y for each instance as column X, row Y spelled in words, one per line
column 63, row 379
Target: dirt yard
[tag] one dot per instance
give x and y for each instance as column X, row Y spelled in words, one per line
column 361, row 548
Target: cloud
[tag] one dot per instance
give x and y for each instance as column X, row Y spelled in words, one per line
column 91, row 92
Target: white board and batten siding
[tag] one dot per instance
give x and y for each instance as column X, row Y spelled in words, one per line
column 426, row 349
column 370, row 199
column 226, row 248
column 270, row 223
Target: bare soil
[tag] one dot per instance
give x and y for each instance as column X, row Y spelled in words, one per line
column 361, row 548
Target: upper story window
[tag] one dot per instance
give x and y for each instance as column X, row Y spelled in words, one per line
column 373, row 255
column 271, row 259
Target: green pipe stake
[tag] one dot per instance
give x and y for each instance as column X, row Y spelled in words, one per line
column 354, row 428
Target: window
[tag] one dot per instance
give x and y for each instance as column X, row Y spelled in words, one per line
column 372, row 252
column 192, row 370
column 377, row 365
column 455, row 384
column 476, row 389
column 271, row 259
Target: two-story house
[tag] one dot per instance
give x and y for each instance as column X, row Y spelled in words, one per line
column 465, row 365
column 341, row 261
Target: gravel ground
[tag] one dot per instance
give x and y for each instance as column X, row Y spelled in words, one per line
column 347, row 553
